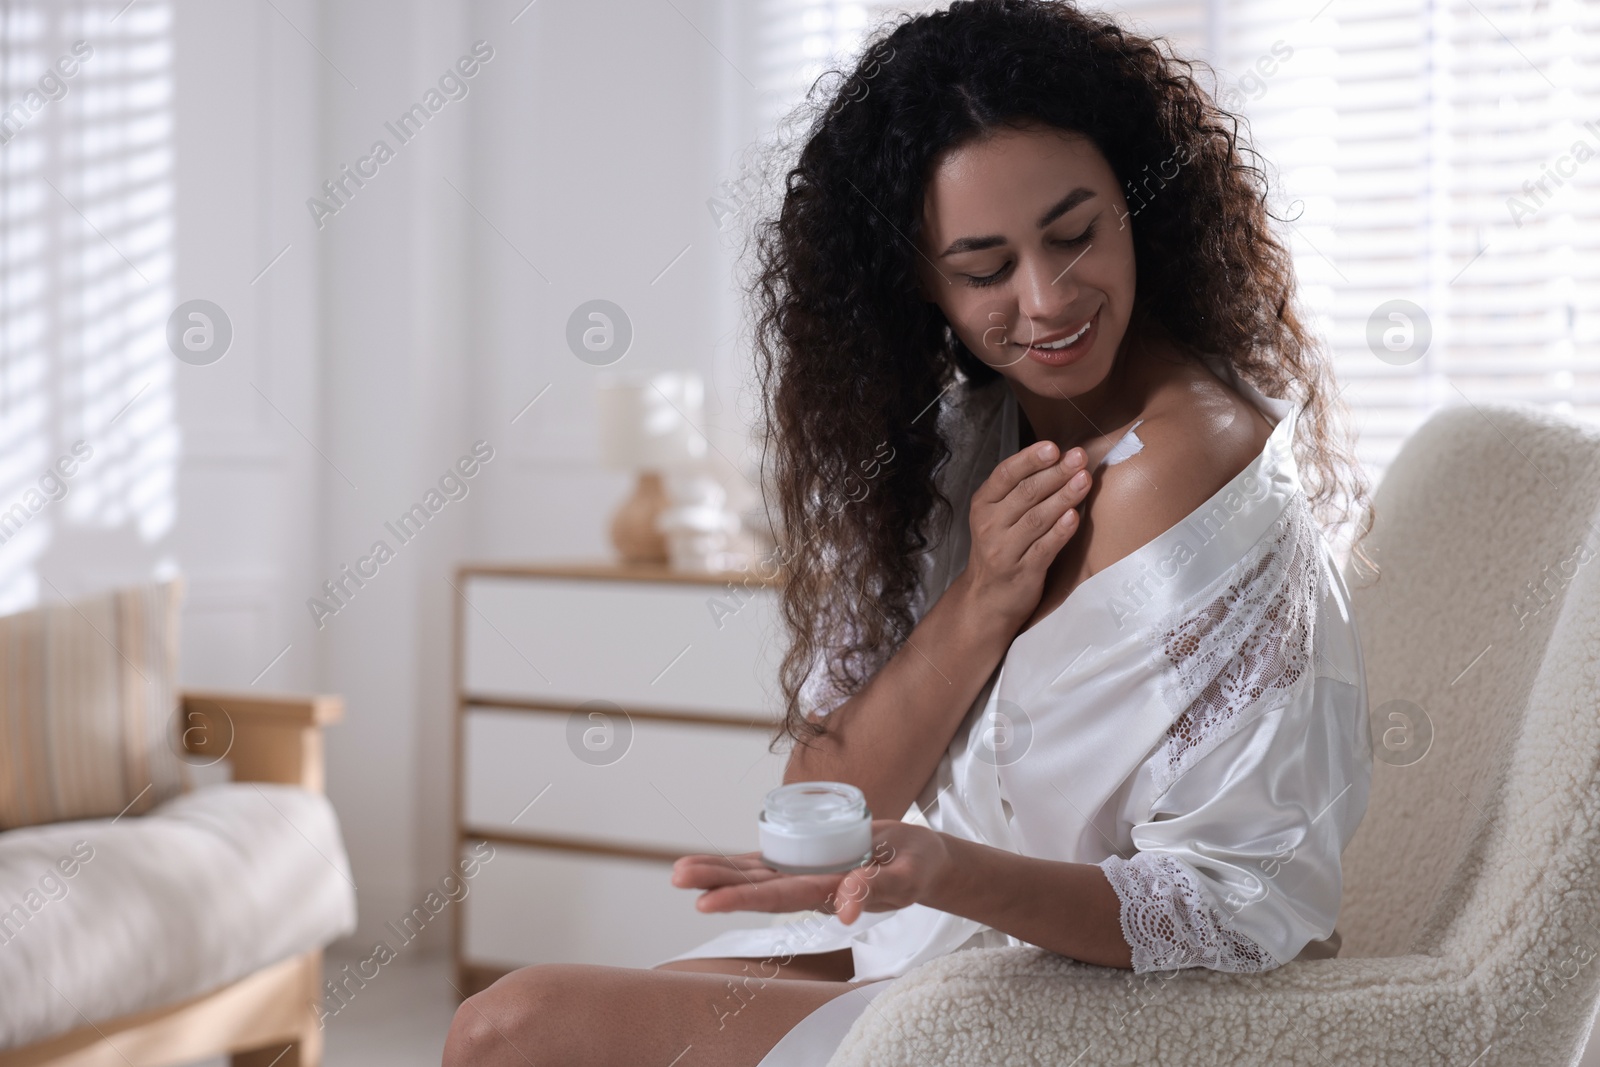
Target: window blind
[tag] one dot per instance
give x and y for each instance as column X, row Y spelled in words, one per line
column 1427, row 152
column 1436, row 163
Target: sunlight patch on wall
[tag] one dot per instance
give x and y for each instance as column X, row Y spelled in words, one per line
column 88, row 440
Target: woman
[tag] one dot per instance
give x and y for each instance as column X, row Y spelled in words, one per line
column 1081, row 626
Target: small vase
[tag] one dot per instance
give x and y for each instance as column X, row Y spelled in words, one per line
column 633, row 528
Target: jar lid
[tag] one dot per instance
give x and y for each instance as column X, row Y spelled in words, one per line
column 815, row 806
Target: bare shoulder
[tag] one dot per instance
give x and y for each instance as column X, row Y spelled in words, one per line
column 1198, row 434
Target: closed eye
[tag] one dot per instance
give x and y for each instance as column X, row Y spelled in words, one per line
column 979, row 281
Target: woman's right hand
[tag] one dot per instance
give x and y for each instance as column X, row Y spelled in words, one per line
column 1023, row 514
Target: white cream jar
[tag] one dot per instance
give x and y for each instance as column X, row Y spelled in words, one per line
column 815, row 828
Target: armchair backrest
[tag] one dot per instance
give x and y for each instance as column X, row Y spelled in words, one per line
column 1482, row 629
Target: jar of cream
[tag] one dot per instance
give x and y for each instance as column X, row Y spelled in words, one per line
column 815, row 828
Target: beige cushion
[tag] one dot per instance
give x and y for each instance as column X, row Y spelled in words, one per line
column 107, row 917
column 87, row 699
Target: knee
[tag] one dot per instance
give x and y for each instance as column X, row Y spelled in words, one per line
column 470, row 1039
column 513, row 1022
column 470, row 1042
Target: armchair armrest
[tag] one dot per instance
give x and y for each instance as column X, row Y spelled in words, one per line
column 990, row 1006
column 267, row 737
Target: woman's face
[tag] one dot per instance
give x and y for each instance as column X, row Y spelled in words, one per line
column 1025, row 245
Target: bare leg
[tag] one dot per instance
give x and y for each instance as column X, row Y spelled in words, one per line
column 582, row 1015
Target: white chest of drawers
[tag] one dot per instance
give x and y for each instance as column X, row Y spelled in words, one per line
column 608, row 720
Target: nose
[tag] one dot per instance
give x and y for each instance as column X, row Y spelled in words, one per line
column 1046, row 290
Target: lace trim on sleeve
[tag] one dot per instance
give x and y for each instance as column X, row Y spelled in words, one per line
column 1169, row 921
column 1250, row 642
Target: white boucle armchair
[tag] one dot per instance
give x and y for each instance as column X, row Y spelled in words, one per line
column 1471, row 913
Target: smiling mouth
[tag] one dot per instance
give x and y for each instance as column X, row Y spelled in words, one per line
column 1051, row 346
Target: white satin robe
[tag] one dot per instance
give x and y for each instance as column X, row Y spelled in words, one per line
column 1193, row 719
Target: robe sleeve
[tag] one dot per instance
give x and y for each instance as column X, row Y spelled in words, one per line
column 1257, row 790
column 1238, row 865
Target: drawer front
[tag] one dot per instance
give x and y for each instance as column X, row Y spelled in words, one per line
column 663, row 645
column 529, row 905
column 687, row 787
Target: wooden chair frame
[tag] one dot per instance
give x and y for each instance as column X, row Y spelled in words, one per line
column 266, row 1019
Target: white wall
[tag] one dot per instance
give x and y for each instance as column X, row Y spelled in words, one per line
column 248, row 487
column 413, row 323
column 395, row 377
column 596, row 151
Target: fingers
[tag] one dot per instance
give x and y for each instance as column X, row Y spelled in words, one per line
column 1045, row 547
column 1037, row 488
column 784, row 893
column 742, row 860
column 709, row 877
column 1067, row 488
column 1049, row 523
column 851, row 899
column 1013, row 470
column 1038, row 518
column 702, row 871
column 846, row 894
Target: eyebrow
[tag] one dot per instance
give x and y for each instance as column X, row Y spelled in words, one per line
column 1061, row 207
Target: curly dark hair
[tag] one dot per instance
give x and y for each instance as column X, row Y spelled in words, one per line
column 850, row 359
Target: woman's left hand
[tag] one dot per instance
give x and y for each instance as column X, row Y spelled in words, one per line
column 907, row 860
